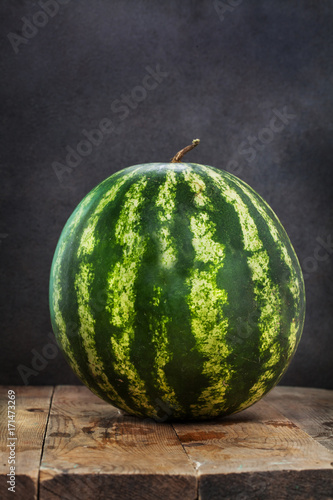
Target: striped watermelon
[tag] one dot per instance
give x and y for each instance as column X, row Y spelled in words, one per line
column 175, row 292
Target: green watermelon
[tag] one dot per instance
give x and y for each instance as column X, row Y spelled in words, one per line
column 175, row 292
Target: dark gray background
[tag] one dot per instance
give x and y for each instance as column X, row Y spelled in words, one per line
column 226, row 74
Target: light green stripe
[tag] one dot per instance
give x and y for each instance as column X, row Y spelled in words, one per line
column 293, row 284
column 206, row 302
column 198, row 187
column 209, row 328
column 121, row 296
column 83, row 282
column 88, row 240
column 206, row 249
column 165, row 205
column 57, row 285
column 265, row 291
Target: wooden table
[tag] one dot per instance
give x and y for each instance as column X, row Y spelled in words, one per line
column 71, row 445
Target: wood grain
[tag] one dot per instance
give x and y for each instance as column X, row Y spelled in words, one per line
column 74, row 446
column 310, row 409
column 93, row 451
column 273, row 485
column 257, row 443
column 31, row 413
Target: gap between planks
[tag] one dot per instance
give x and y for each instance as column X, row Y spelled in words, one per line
column 44, row 439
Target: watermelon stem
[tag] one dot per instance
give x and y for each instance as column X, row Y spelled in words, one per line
column 183, row 151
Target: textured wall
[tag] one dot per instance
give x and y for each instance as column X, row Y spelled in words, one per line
column 222, row 72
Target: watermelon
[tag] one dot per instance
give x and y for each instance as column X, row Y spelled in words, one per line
column 175, row 292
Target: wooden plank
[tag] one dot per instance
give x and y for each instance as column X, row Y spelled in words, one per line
column 278, row 485
column 31, row 412
column 310, row 409
column 256, row 443
column 93, row 451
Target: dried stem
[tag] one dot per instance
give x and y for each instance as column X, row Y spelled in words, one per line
column 182, row 152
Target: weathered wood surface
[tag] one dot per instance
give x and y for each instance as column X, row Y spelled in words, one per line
column 75, row 446
column 310, row 409
column 93, row 451
column 258, row 453
column 32, row 406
